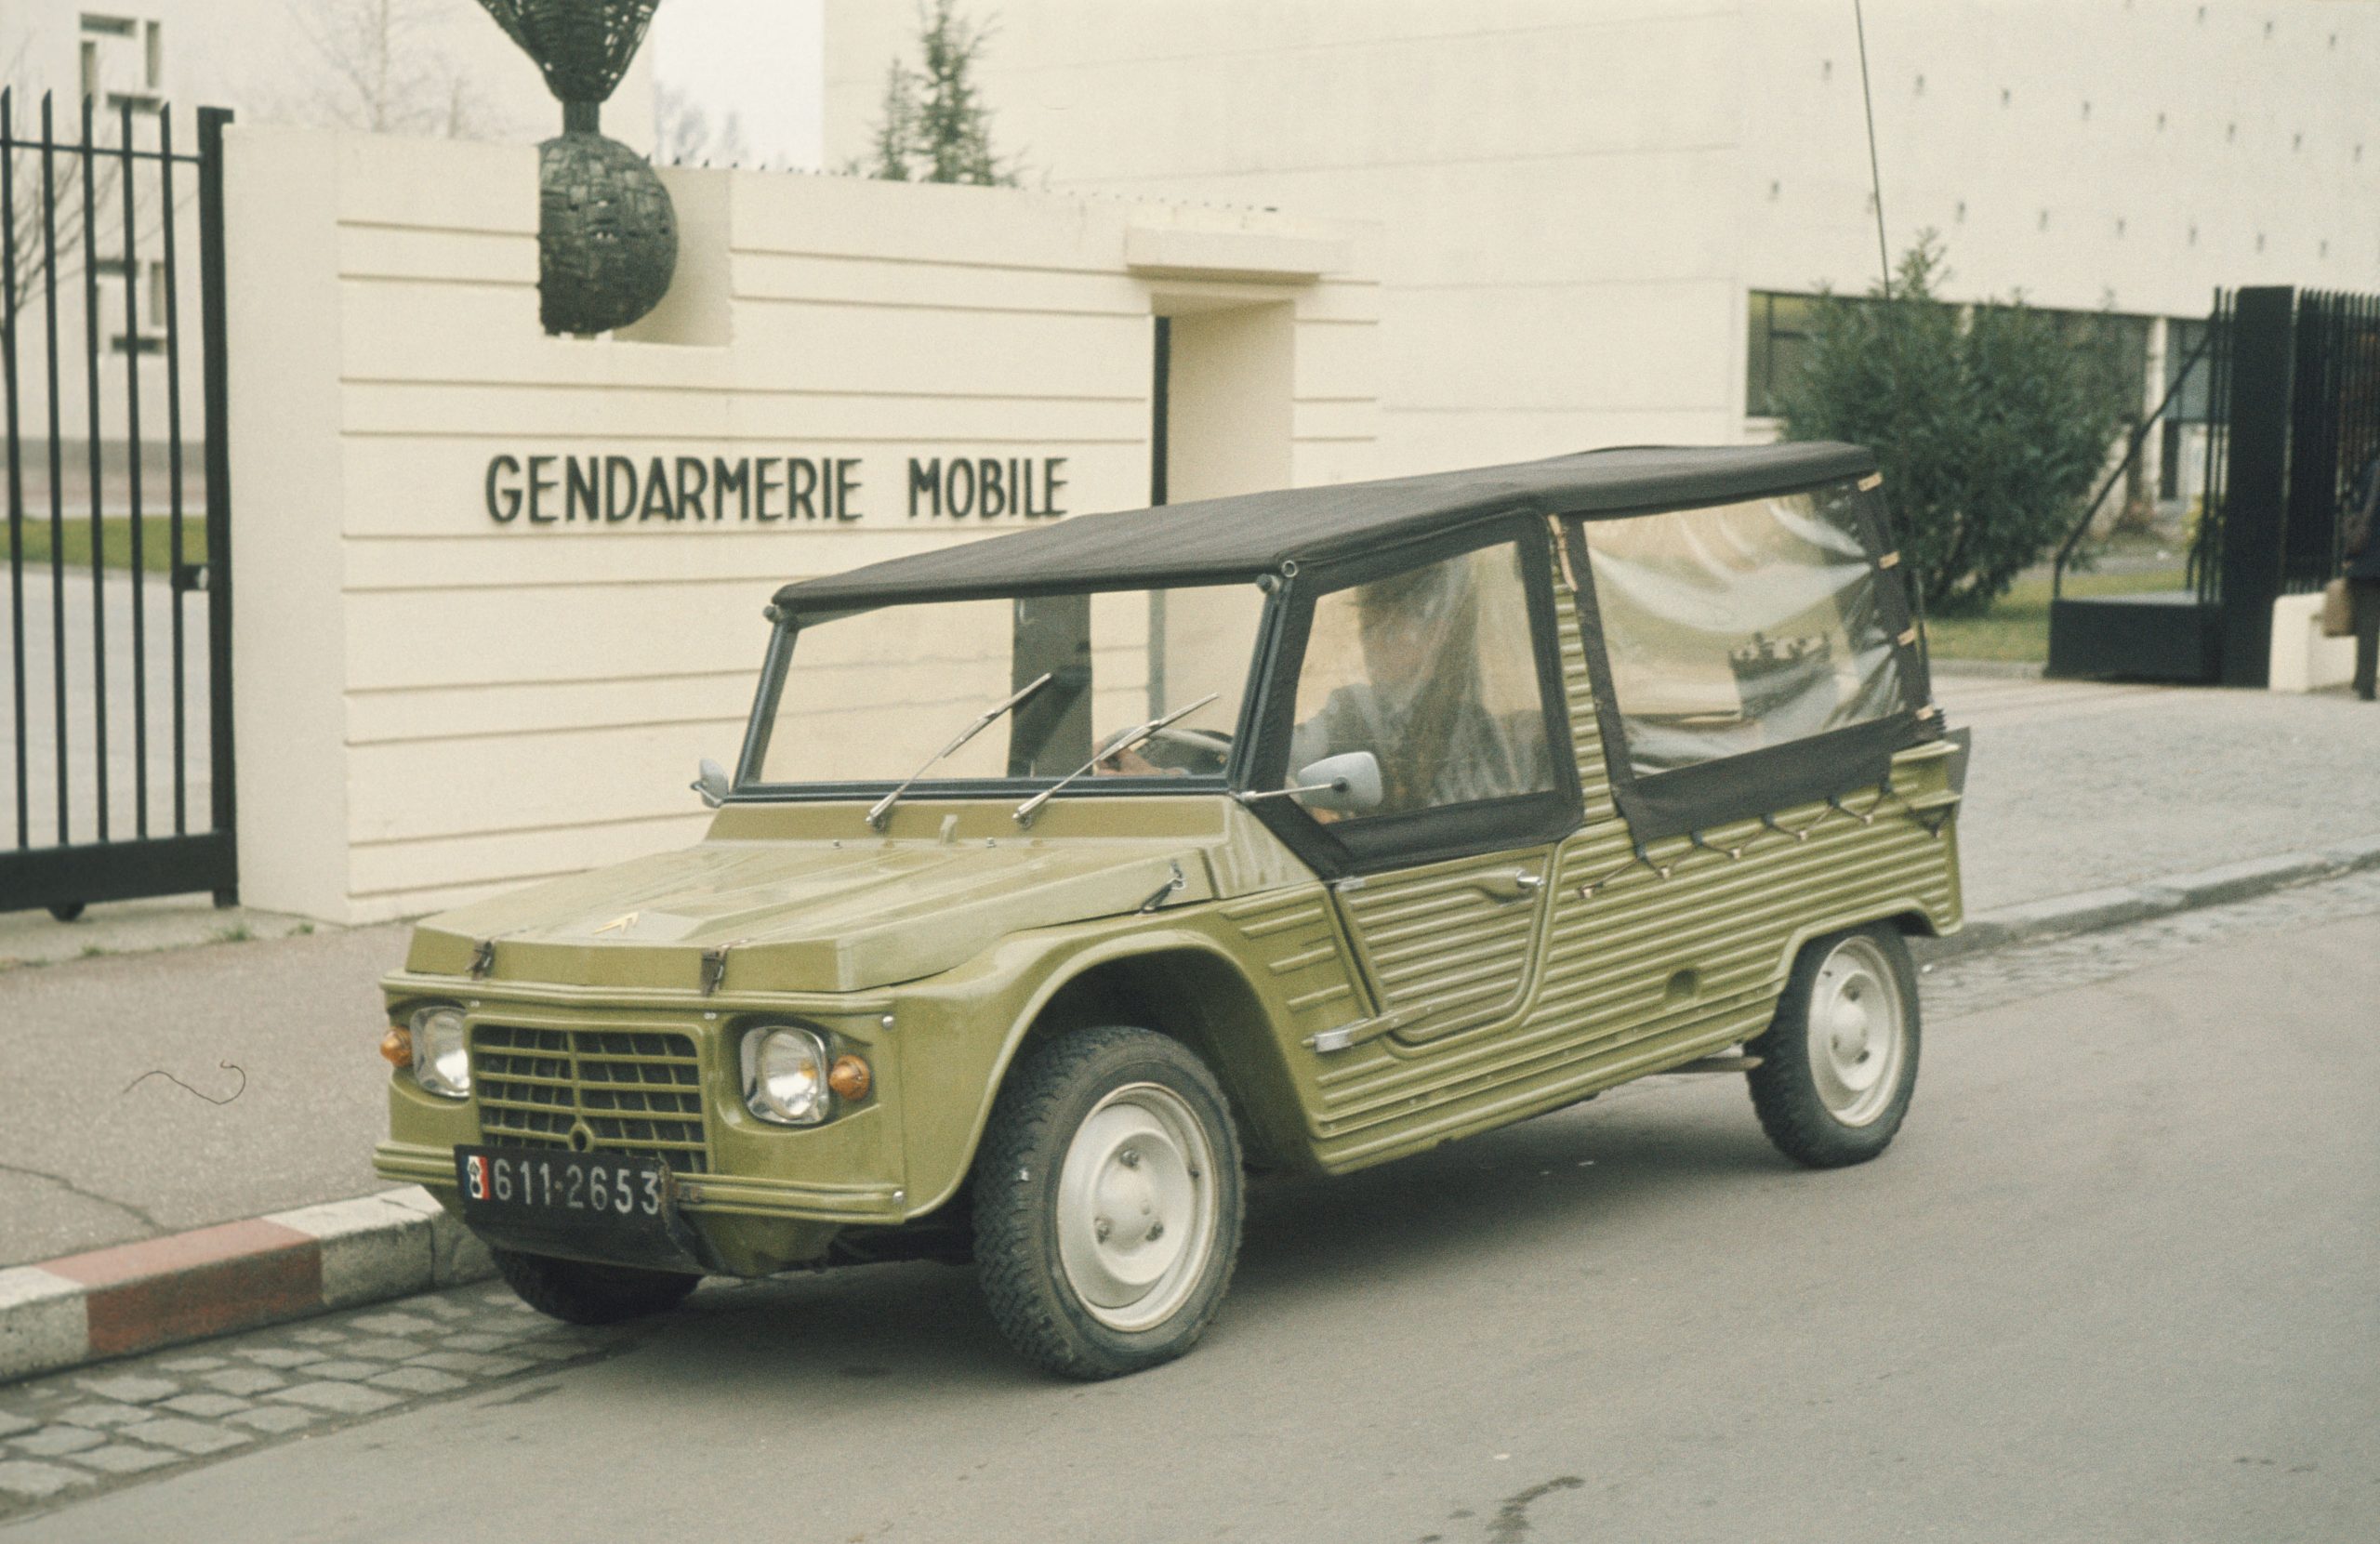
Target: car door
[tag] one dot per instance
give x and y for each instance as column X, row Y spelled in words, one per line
column 1443, row 672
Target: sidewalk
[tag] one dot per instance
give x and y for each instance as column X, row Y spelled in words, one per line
column 2075, row 789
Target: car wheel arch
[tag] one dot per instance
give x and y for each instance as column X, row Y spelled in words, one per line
column 1187, row 987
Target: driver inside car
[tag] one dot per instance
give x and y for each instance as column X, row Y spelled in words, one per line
column 1411, row 693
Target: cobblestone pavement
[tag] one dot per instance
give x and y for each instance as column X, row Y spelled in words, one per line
column 1959, row 987
column 70, row 1436
column 74, row 1435
column 2076, row 785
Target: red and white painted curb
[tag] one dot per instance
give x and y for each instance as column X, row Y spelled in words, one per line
column 266, row 1270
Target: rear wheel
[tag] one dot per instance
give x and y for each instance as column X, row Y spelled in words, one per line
column 582, row 1294
column 1108, row 1199
column 1839, row 1062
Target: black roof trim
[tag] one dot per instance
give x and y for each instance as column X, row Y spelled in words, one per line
column 1221, row 540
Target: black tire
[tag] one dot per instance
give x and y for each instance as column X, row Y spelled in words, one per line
column 67, row 911
column 578, row 1293
column 1808, row 1088
column 1021, row 1178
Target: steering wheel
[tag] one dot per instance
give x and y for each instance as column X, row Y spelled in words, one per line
column 1202, row 752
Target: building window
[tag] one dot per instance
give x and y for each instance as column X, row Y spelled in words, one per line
column 1778, row 347
column 123, row 61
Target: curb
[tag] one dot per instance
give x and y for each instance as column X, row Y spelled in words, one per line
column 2064, row 916
column 293, row 1264
column 237, row 1275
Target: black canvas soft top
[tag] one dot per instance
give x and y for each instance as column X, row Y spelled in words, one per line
column 1219, row 540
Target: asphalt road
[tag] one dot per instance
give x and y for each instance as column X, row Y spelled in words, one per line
column 2115, row 1282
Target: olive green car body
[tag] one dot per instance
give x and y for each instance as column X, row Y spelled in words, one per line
column 1350, row 1023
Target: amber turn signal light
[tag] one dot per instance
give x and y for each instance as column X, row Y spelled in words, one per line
column 849, row 1077
column 396, row 1046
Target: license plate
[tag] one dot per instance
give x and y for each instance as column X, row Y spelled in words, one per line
column 609, row 1207
column 599, row 1186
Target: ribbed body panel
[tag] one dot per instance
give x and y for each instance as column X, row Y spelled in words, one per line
column 1627, row 963
column 1290, row 936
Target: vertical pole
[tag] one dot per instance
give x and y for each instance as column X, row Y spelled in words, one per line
column 91, row 423
column 56, row 471
column 2256, row 506
column 9, row 296
column 2205, row 542
column 1160, row 392
column 218, row 482
column 132, row 447
column 174, row 461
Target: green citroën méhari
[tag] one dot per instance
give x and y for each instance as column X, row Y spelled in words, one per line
column 1068, row 877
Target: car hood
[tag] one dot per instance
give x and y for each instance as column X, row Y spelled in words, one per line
column 800, row 915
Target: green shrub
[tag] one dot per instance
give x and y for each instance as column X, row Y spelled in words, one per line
column 1993, row 423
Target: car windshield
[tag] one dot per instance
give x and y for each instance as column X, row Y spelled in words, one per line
column 873, row 697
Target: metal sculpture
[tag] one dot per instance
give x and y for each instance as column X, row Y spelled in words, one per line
column 607, row 233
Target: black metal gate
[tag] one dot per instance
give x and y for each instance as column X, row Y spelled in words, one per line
column 2293, row 417
column 2301, row 390
column 120, row 783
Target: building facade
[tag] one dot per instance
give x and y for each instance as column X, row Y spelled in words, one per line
column 499, row 591
column 1602, row 217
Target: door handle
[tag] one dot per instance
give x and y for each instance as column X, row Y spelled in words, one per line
column 1513, row 886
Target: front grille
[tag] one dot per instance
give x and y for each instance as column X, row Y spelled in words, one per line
column 636, row 1090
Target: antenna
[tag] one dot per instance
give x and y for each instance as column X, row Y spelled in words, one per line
column 1875, row 178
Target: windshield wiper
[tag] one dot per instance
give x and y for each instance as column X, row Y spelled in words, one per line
column 1023, row 814
column 883, row 808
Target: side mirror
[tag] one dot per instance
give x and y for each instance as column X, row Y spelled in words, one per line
column 711, row 784
column 1344, row 784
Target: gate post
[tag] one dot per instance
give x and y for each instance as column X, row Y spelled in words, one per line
column 2255, row 502
column 213, row 331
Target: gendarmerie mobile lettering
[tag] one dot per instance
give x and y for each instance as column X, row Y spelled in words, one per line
column 768, row 489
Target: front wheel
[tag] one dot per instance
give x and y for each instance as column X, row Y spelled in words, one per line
column 1839, row 1062
column 1108, row 1199
column 582, row 1294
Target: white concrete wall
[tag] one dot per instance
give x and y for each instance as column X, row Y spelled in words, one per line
column 1579, row 194
column 2131, row 153
column 432, row 705
column 1559, row 251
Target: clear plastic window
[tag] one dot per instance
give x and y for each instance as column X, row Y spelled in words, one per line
column 871, row 696
column 1432, row 671
column 1735, row 629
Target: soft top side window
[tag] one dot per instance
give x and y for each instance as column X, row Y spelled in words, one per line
column 1432, row 672
column 1436, row 680
column 1734, row 629
column 1747, row 656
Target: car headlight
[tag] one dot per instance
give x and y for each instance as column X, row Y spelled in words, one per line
column 442, row 1062
column 785, row 1076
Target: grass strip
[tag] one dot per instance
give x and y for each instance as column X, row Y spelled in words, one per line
column 2015, row 627
column 116, row 538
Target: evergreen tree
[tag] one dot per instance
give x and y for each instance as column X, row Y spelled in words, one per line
column 935, row 126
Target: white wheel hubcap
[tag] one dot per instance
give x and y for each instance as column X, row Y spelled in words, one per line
column 1136, row 1206
column 1858, row 1032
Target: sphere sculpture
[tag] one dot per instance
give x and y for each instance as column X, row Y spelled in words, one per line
column 607, row 235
